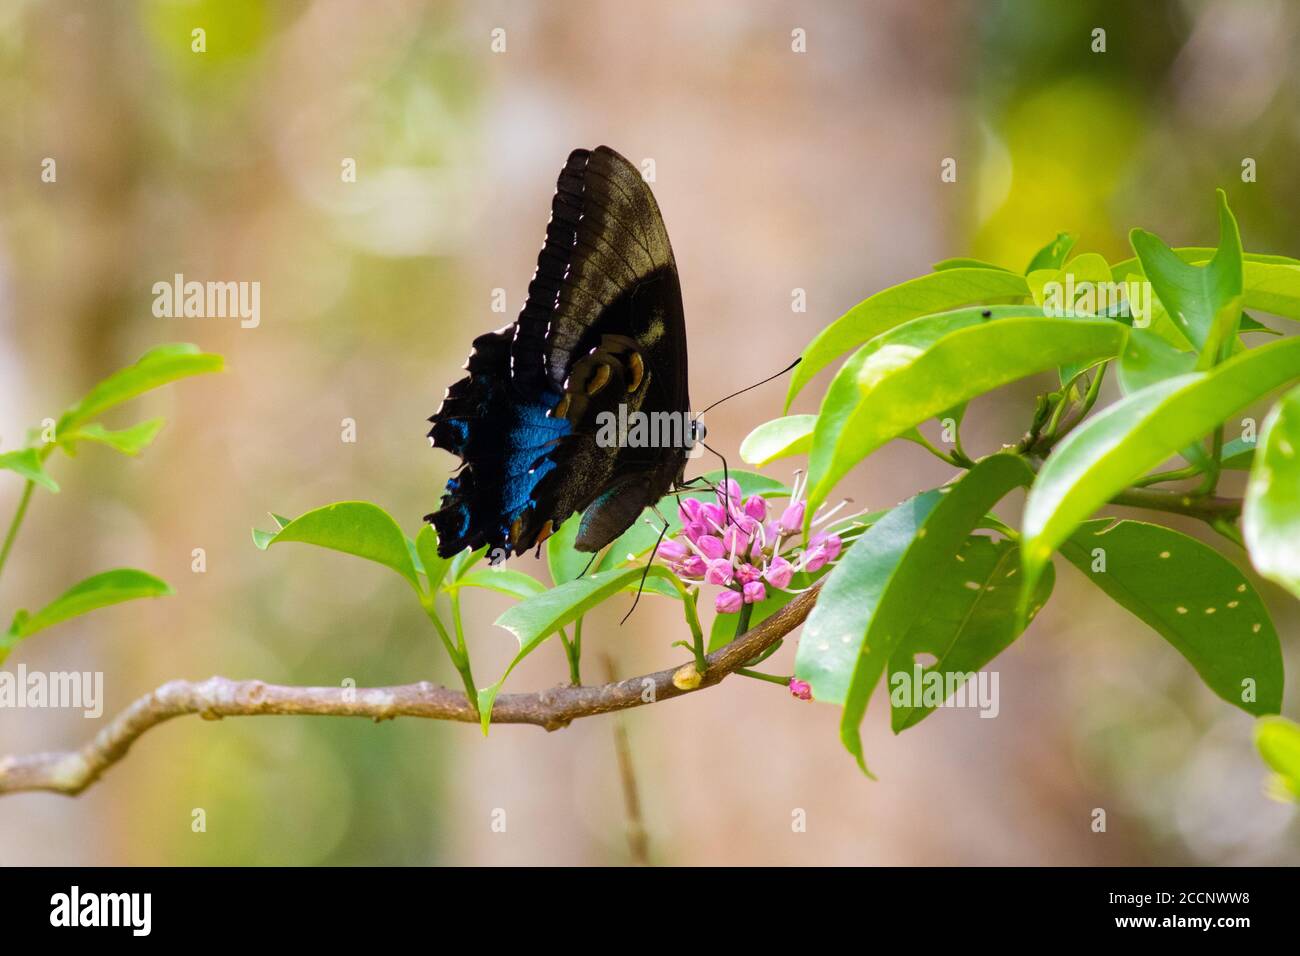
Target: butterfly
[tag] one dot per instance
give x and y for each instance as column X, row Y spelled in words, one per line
column 602, row 327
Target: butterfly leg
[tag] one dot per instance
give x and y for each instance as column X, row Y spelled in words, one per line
column 646, row 573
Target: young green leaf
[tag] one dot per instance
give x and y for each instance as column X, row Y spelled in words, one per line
column 1149, row 358
column 128, row 441
column 27, row 463
column 928, row 365
column 1278, row 741
column 1270, row 518
column 779, row 438
column 101, row 590
column 871, row 597
column 1204, row 301
column 353, row 527
column 965, row 262
column 1052, row 255
column 1194, row 598
column 1109, row 451
column 1238, row 454
column 502, row 580
column 964, row 625
column 426, row 546
column 155, row 368
column 926, row 295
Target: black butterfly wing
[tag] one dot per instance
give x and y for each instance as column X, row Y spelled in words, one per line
column 603, row 326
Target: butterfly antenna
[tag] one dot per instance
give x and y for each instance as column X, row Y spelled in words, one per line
column 725, row 493
column 749, row 387
column 645, row 574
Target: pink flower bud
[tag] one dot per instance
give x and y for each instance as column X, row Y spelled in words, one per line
column 720, row 572
column 801, row 689
column 830, row 544
column 735, row 539
column 728, row 602
column 689, row 510
column 710, row 546
column 712, row 514
column 695, row 530
column 779, row 572
column 731, row 491
column 792, row 518
column 692, row 566
column 754, row 592
column 672, row 550
column 756, row 507
column 815, row 558
column 746, row 573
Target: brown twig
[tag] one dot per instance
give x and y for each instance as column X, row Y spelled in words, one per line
column 72, row 771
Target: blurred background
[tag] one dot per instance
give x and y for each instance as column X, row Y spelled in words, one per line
column 776, row 170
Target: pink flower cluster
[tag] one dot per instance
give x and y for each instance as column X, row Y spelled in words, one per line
column 737, row 544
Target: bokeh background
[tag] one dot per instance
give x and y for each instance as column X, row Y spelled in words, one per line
column 775, row 170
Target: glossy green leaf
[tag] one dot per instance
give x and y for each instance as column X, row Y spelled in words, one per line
column 1270, row 518
column 1204, row 301
column 101, row 590
column 27, row 463
column 1278, row 741
column 1111, row 450
column 965, row 262
column 353, row 527
column 128, row 441
column 918, row 370
column 871, row 598
column 964, row 624
column 937, row 292
column 779, row 438
column 1149, row 358
column 1199, row 255
column 1052, row 255
column 157, row 367
column 1194, row 598
column 502, row 580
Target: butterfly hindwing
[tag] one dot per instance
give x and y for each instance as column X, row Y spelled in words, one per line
column 602, row 328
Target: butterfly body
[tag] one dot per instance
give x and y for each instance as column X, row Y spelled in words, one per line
column 602, row 333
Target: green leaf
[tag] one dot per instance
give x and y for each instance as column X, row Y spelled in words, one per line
column 1278, row 741
column 1111, row 450
column 1194, row 598
column 536, row 618
column 1149, row 358
column 1204, row 301
column 926, row 295
column 1198, row 255
column 928, row 365
column 965, row 262
column 503, row 580
column 565, row 561
column 426, row 546
column 1270, row 518
column 870, row 599
column 157, row 367
column 128, row 441
column 101, row 590
column 533, row 620
column 27, row 463
column 1052, row 255
column 1237, row 455
column 964, row 625
column 779, row 438
column 353, row 527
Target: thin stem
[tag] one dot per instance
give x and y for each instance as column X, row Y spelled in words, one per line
column 1212, row 473
column 21, row 513
column 455, row 649
column 1176, row 474
column 689, row 597
column 759, row 675
column 742, row 620
column 924, row 442
column 1207, row 508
